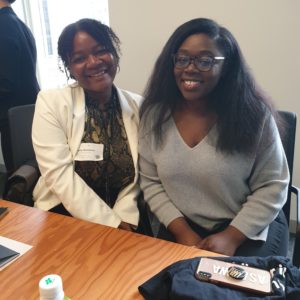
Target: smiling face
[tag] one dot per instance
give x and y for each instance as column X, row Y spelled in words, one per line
column 196, row 85
column 92, row 65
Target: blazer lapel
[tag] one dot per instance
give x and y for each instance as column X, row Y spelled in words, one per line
column 78, row 118
column 131, row 125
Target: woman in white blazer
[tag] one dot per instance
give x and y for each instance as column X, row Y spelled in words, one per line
column 85, row 134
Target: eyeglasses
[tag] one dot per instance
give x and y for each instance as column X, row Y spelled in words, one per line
column 98, row 53
column 202, row 63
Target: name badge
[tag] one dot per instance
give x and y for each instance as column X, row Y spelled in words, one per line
column 90, row 151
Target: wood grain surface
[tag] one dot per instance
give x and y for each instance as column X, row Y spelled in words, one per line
column 94, row 261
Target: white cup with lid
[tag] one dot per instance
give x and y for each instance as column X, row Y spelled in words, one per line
column 51, row 288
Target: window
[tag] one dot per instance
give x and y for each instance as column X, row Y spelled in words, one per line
column 46, row 19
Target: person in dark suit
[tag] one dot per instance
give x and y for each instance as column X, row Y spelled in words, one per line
column 18, row 82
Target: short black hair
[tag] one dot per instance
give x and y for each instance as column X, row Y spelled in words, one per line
column 103, row 34
column 10, row 1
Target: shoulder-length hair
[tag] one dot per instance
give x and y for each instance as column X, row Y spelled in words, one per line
column 103, row 34
column 240, row 105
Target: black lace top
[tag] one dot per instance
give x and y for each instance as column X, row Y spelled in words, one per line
column 110, row 175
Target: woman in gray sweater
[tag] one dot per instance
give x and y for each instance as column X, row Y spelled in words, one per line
column 213, row 169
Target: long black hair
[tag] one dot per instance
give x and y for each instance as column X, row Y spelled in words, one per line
column 240, row 105
column 103, row 34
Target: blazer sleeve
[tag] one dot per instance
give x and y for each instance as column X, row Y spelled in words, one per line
column 50, row 136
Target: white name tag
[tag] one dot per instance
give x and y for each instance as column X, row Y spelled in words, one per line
column 90, row 151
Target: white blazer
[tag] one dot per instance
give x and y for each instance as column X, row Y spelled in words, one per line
column 57, row 131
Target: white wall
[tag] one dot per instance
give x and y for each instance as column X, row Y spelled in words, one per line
column 267, row 31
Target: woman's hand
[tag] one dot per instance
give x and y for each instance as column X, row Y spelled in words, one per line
column 225, row 242
column 125, row 226
column 183, row 233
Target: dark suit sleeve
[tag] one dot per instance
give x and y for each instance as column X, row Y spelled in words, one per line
column 9, row 68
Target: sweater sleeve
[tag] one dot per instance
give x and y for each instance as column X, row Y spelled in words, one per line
column 56, row 163
column 151, row 185
column 268, row 184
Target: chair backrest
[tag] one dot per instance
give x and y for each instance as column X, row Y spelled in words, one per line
column 20, row 124
column 288, row 137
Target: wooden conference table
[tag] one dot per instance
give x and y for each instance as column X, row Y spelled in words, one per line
column 94, row 261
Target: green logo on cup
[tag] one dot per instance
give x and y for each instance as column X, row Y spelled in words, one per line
column 48, row 280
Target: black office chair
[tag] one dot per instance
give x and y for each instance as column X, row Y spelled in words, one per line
column 288, row 137
column 19, row 185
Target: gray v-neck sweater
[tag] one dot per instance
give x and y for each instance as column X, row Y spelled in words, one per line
column 209, row 186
